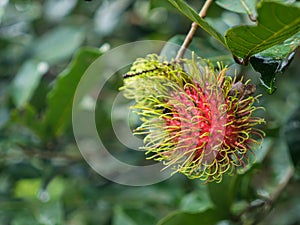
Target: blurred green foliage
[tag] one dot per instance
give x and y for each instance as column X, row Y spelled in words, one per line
column 45, row 47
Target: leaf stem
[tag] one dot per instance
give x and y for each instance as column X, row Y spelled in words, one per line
column 250, row 14
column 189, row 37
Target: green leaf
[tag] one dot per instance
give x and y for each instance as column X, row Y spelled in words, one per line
column 223, row 199
column 160, row 3
column 56, row 188
column 26, row 81
column 282, row 51
column 208, row 49
column 274, row 60
column 197, row 201
column 267, row 68
column 276, row 23
column 139, row 216
column 50, row 213
column 58, row 44
column 28, row 117
column 192, row 15
column 120, row 218
column 280, row 164
column 208, row 217
column 239, row 6
column 27, row 188
column 59, row 111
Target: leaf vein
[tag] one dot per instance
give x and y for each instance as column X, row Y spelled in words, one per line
column 284, row 28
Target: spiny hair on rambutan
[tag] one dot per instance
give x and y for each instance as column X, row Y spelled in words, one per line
column 195, row 119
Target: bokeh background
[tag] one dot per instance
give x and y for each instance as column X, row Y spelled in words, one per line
column 43, row 177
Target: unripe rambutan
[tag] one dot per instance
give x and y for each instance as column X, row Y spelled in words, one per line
column 196, row 120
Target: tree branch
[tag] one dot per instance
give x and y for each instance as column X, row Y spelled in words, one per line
column 192, row 31
column 285, row 180
column 259, row 208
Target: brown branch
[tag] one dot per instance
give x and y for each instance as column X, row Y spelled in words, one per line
column 289, row 174
column 189, row 37
column 264, row 205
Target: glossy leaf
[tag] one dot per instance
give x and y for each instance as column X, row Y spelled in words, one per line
column 274, row 60
column 59, row 111
column 26, row 81
column 239, row 6
column 208, row 217
column 193, row 15
column 267, row 68
column 276, row 23
column 282, row 51
column 58, row 44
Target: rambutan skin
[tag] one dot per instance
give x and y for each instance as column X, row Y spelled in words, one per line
column 196, row 120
